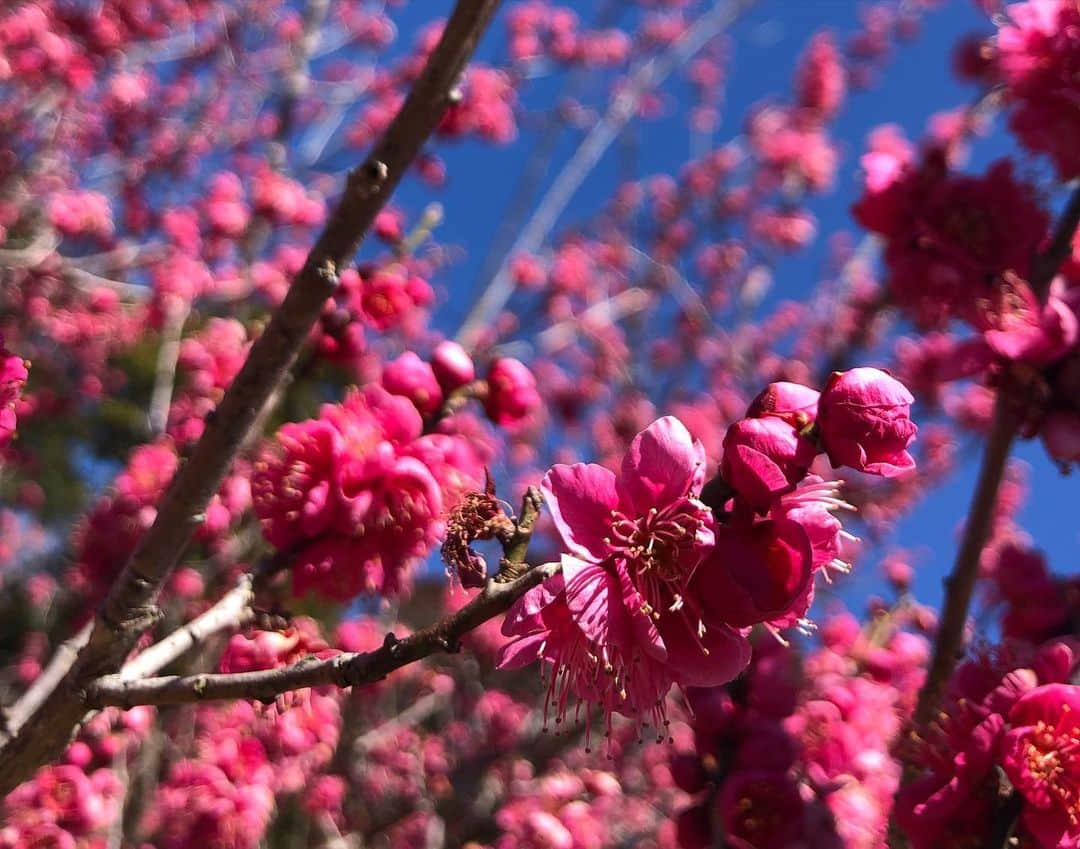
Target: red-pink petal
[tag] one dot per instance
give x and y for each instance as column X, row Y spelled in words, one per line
column 521, row 651
column 581, row 498
column 595, row 601
column 662, row 464
column 715, row 658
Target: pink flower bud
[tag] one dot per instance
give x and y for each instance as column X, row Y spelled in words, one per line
column 414, row 379
column 794, row 403
column 865, row 424
column 764, row 458
column 512, row 394
column 452, row 365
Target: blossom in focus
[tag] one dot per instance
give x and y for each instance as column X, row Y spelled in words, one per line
column 757, row 571
column 794, row 403
column 1019, row 716
column 765, row 457
column 1041, row 756
column 623, row 604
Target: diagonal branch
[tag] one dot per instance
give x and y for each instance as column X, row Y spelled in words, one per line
column 343, row 670
column 960, row 585
column 131, row 605
column 231, row 612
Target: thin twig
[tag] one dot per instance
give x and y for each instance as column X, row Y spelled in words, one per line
column 624, row 106
column 232, row 612
column 176, row 316
column 610, row 309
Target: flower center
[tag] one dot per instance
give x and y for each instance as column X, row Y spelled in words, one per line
column 659, row 551
column 1046, row 753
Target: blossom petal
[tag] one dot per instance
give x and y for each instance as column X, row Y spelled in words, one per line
column 710, row 659
column 755, row 574
column 595, row 601
column 663, row 463
column 526, row 614
column 581, row 498
column 521, row 651
column 755, row 476
column 644, row 627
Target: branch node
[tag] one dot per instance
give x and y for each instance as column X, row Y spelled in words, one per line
column 328, row 274
column 448, row 645
column 378, row 170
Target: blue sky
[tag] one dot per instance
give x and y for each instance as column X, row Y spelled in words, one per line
column 915, row 83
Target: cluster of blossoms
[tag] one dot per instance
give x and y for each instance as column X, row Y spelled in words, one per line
column 386, row 297
column 361, row 494
column 75, row 804
column 948, row 236
column 1010, row 727
column 656, row 588
column 538, row 29
column 798, row 754
column 1037, row 605
column 245, row 755
column 961, row 247
column 209, row 361
column 63, row 807
column 485, row 109
column 160, row 199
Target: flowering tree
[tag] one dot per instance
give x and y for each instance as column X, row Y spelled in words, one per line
column 309, row 549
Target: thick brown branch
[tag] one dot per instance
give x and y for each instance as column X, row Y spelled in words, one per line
column 130, row 607
column 44, row 684
column 344, row 670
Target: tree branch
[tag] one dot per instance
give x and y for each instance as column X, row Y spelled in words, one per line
column 1046, row 265
column 131, row 605
column 960, row 585
column 46, row 682
column 344, row 670
column 176, row 316
column 230, row 613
